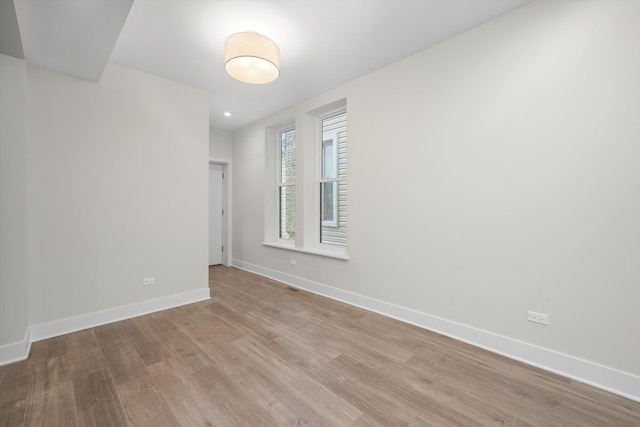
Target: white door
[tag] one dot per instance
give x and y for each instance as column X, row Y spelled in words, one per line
column 215, row 214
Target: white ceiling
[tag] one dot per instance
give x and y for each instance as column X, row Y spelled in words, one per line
column 71, row 36
column 323, row 43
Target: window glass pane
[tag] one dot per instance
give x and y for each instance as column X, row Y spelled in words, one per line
column 329, row 202
column 287, row 212
column 329, row 157
column 288, row 156
column 333, row 188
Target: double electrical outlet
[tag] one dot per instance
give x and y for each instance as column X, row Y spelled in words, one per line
column 148, row 281
column 534, row 317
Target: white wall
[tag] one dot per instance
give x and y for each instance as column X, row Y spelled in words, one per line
column 13, row 202
column 118, row 191
column 219, row 144
column 495, row 173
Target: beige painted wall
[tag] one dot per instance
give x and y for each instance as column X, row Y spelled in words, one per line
column 495, row 173
column 13, row 201
column 118, row 191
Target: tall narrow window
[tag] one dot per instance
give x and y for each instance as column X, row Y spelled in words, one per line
column 287, row 184
column 333, row 180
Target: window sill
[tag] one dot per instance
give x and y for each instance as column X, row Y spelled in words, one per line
column 325, row 252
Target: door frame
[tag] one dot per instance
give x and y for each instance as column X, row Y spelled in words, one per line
column 226, row 203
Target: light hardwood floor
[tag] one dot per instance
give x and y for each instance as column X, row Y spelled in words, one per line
column 262, row 354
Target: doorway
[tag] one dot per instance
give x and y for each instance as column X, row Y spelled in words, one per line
column 216, row 213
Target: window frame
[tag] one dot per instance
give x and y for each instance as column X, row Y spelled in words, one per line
column 308, row 127
column 323, row 179
column 320, row 138
column 280, row 184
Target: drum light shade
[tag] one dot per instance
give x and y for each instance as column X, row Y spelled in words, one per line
column 251, row 58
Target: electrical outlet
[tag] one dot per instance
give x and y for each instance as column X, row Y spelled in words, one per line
column 292, row 261
column 534, row 317
column 149, row 281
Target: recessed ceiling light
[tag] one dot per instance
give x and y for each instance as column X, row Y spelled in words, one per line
column 227, row 114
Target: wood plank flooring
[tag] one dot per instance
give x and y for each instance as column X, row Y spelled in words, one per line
column 262, row 354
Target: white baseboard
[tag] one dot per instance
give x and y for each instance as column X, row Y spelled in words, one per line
column 19, row 351
column 15, row 352
column 603, row 377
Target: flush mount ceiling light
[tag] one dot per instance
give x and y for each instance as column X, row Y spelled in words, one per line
column 251, row 58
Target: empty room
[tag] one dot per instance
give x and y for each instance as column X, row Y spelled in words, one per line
column 319, row 212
